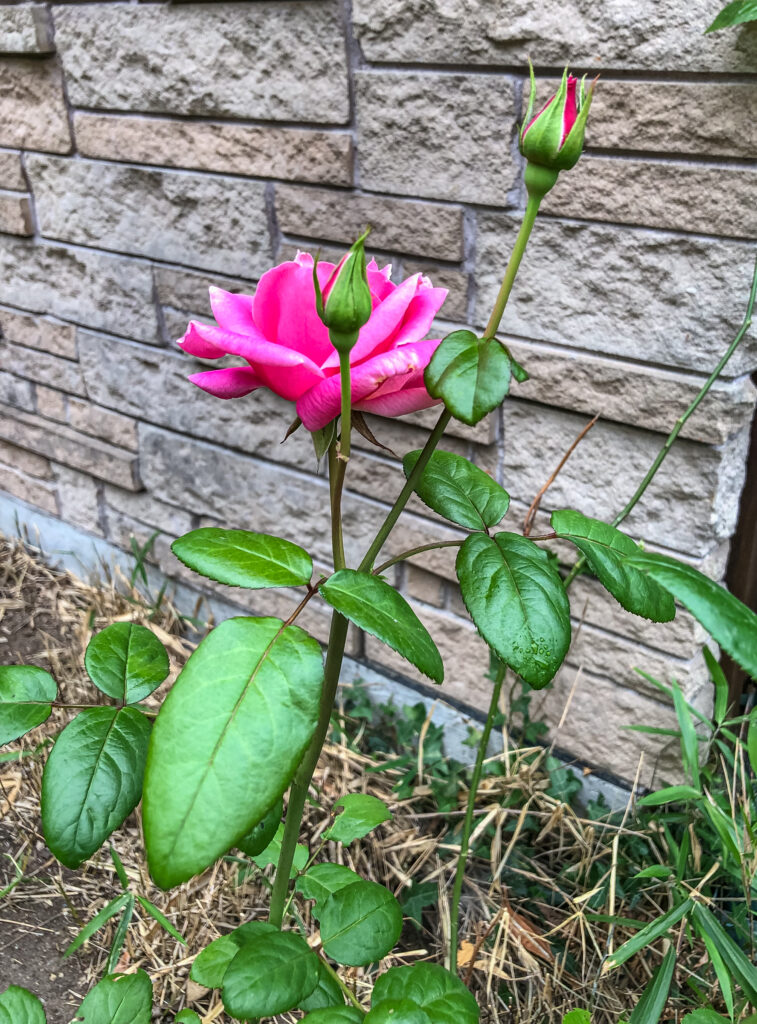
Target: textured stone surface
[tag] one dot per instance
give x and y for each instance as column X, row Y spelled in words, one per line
column 32, row 109
column 51, row 403
column 647, row 34
column 680, row 196
column 15, row 214
column 40, row 332
column 28, row 489
column 266, row 152
column 456, row 282
column 99, row 422
column 11, row 171
column 424, row 586
column 87, row 287
column 25, row 461
column 218, row 223
column 43, row 367
column 231, row 59
column 630, row 393
column 148, row 510
column 692, row 500
column 16, row 392
column 697, row 118
column 420, row 229
column 402, row 117
column 25, row 28
column 185, row 289
column 78, row 499
column 69, row 447
column 647, row 295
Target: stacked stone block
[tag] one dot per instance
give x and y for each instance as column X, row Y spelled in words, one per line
column 149, row 150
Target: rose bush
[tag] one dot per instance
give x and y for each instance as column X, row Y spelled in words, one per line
column 286, row 347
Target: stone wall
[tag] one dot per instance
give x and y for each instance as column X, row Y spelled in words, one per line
column 152, row 149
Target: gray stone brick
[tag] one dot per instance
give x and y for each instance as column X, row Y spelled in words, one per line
column 32, row 491
column 402, row 118
column 419, row 229
column 15, row 214
column 78, row 499
column 16, row 392
column 11, row 171
column 44, row 333
column 32, row 109
column 650, row 295
column 659, row 35
column 25, row 28
column 24, row 461
column 88, row 287
column 149, row 511
column 218, row 223
column 233, row 60
column 52, row 404
column 186, row 289
column 456, row 282
column 61, row 444
column 679, row 196
column 294, row 154
column 103, row 423
column 424, row 586
column 63, row 374
column 631, row 393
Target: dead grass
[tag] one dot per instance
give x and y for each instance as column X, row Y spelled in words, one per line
column 545, row 953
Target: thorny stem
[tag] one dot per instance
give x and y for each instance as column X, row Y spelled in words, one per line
column 680, row 422
column 462, row 859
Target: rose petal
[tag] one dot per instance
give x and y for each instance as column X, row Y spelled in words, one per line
column 284, row 308
column 399, row 403
column 233, row 382
column 233, row 312
column 196, row 345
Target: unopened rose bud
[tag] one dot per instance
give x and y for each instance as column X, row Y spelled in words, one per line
column 345, row 303
column 552, row 141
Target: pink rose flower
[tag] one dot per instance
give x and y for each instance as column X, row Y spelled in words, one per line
column 287, row 349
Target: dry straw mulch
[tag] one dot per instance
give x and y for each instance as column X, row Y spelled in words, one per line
column 526, row 961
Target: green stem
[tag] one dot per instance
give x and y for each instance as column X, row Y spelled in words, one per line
column 532, row 208
column 345, row 988
column 404, row 495
column 298, row 791
column 462, row 858
column 661, row 455
column 416, row 551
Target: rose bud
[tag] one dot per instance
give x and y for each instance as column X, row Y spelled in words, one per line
column 552, row 141
column 345, row 303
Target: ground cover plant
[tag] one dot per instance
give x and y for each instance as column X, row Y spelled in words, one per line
column 246, row 720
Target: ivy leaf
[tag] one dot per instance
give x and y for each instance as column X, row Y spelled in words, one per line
column 736, row 13
column 270, row 974
column 118, row 999
column 126, row 661
column 92, row 780
column 606, row 549
column 456, row 489
column 517, row 601
column 20, row 1006
column 442, row 995
column 211, row 776
column 209, row 967
column 261, row 835
column 362, row 813
column 26, row 695
column 731, row 623
column 471, row 375
column 322, row 879
column 377, row 608
column 360, row 923
column 240, row 558
column 416, row 897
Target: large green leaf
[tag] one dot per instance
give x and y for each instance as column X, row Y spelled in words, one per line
column 118, row 999
column 210, row 966
column 187, row 1017
column 606, row 549
column 270, row 974
column 321, row 880
column 240, row 558
column 126, row 661
column 456, row 489
column 362, row 813
column 334, row 1015
column 20, row 1006
column 649, row 1008
column 26, row 694
column 377, row 608
column 92, row 780
column 736, row 13
column 227, row 741
column 260, row 835
column 441, row 994
column 730, row 622
column 517, row 601
column 398, row 1011
column 360, row 923
column 271, row 854
column 326, row 993
column 471, row 375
